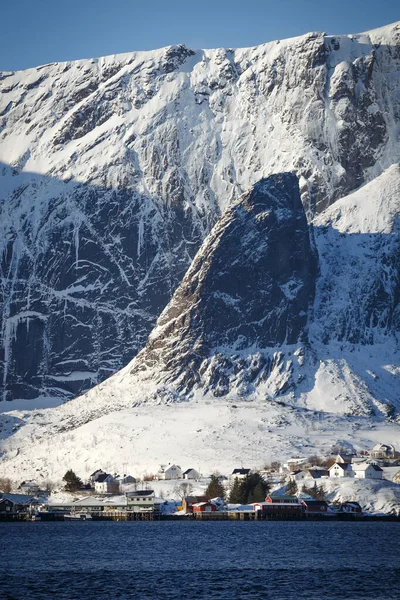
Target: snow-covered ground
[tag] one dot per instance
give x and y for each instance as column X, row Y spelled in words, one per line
column 218, row 435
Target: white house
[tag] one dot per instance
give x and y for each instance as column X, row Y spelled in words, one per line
column 140, row 500
column 359, row 470
column 94, row 476
column 172, row 472
column 366, row 471
column 105, row 483
column 239, row 474
column 298, row 476
column 29, row 487
column 345, row 458
column 341, row 470
column 293, row 464
column 383, row 451
column 191, row 474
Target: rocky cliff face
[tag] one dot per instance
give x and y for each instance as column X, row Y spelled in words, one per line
column 115, row 170
column 247, row 294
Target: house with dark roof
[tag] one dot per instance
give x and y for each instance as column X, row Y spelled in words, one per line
column 94, row 476
column 188, row 501
column 341, row 470
column 298, row 475
column 345, row 458
column 6, row 506
column 312, row 506
column 367, row 471
column 191, row 474
column 13, row 503
column 239, row 474
column 140, row 500
column 29, row 487
column 363, row 470
column 317, row 473
column 105, row 483
column 351, row 507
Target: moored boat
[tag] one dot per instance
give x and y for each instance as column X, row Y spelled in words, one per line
column 77, row 517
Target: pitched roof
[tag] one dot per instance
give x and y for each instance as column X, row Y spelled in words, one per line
column 140, row 493
column 383, row 448
column 101, row 478
column 314, row 502
column 192, row 499
column 18, row 498
column 317, row 473
column 97, row 471
column 281, row 497
column 241, row 471
column 188, row 471
column 364, row 467
column 344, row 466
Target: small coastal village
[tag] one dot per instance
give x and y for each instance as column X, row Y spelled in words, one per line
column 300, row 488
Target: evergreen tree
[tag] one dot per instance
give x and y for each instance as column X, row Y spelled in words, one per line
column 250, row 498
column 253, row 488
column 215, row 489
column 72, row 481
column 235, row 495
column 260, row 492
column 291, row 488
column 321, row 493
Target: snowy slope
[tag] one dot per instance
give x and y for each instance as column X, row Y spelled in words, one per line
column 344, row 384
column 115, row 169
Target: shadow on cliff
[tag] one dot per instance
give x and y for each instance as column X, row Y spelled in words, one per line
column 85, row 271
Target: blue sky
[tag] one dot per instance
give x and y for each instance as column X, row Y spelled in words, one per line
column 34, row 32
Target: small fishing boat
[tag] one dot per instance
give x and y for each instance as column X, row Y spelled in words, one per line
column 78, row 517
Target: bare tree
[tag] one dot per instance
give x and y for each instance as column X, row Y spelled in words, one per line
column 48, row 485
column 183, row 489
column 275, row 466
column 6, row 485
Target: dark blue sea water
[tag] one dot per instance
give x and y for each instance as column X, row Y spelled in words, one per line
column 200, row 560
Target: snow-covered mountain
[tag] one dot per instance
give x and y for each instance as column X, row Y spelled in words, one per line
column 114, row 171
column 272, row 345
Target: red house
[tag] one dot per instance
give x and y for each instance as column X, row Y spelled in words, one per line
column 281, row 499
column 189, row 501
column 351, row 507
column 315, row 506
column 279, row 509
column 204, row 507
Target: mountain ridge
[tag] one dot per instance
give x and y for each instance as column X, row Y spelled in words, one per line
column 136, row 157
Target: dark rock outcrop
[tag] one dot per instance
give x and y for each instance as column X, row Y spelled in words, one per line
column 249, row 288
